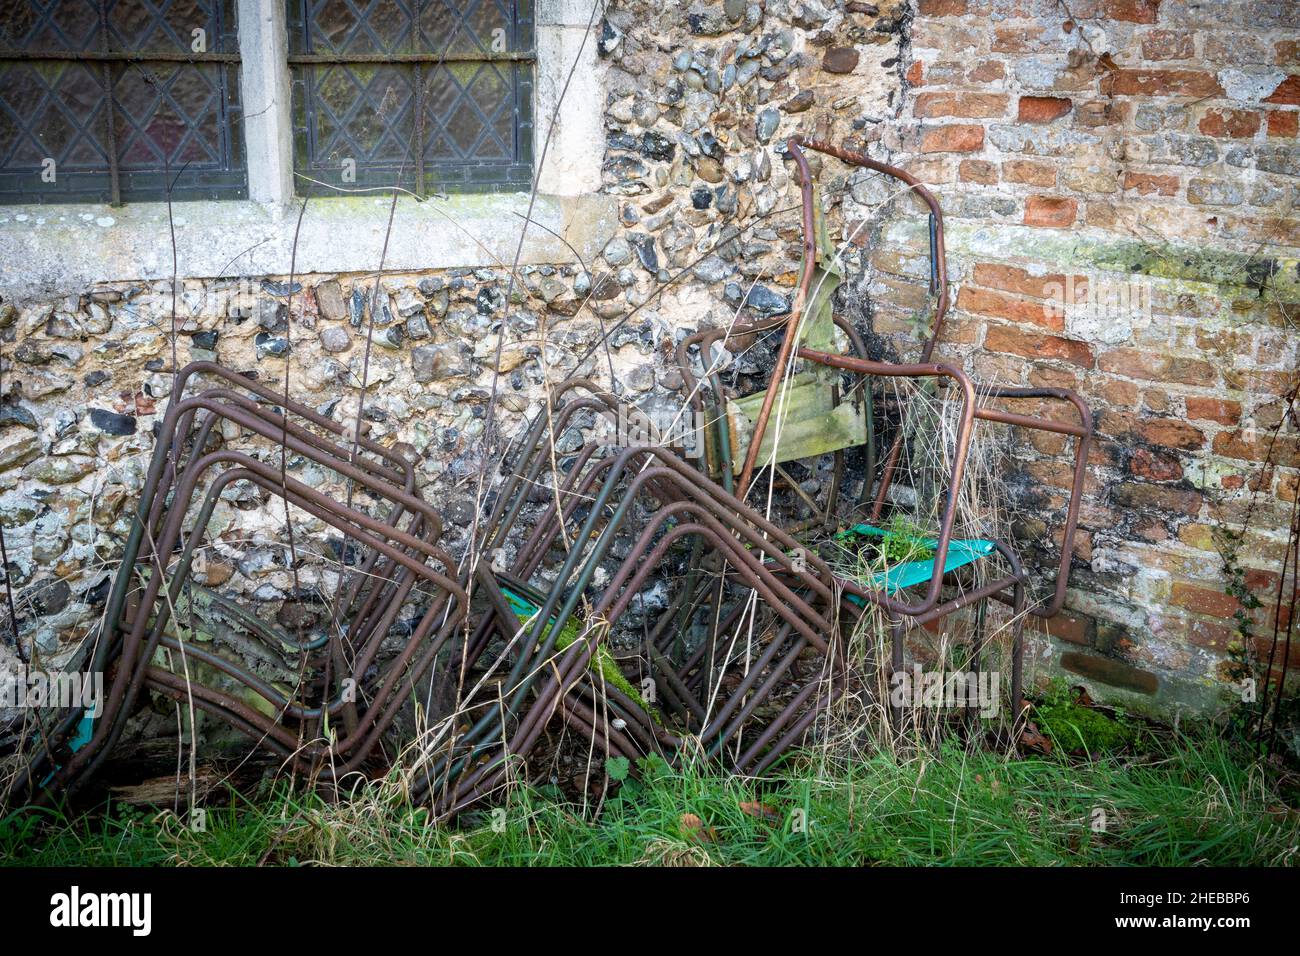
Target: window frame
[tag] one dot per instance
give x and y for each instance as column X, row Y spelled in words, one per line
column 64, row 249
column 152, row 184
column 424, row 176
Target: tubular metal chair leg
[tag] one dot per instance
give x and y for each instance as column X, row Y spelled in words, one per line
column 897, row 630
column 1018, row 656
column 976, row 653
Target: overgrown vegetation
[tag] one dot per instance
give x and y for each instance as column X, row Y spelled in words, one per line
column 1267, row 712
column 1191, row 799
column 861, row 554
column 903, row 541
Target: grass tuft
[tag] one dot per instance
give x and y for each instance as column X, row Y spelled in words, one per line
column 1194, row 801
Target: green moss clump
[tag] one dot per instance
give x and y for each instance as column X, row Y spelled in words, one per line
column 605, row 665
column 1076, row 727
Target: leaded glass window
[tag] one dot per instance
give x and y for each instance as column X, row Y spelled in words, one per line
column 112, row 100
column 428, row 94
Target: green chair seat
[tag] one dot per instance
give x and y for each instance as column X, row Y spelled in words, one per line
column 906, row 574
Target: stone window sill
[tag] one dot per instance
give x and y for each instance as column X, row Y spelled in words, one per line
column 47, row 251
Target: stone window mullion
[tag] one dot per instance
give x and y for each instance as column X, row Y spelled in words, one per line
column 268, row 127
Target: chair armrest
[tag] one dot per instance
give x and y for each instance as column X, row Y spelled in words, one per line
column 1082, row 434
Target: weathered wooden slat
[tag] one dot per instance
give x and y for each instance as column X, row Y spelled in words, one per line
column 802, row 434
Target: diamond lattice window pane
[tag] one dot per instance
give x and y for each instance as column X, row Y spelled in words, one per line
column 364, row 27
column 173, row 123
column 42, row 26
column 362, row 108
column 154, row 26
column 52, row 110
column 471, row 103
column 468, row 26
column 357, row 121
column 169, row 116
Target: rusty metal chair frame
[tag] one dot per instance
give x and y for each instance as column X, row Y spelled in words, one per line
column 604, row 491
column 696, row 512
column 718, row 438
column 598, row 499
column 394, row 562
column 1010, row 587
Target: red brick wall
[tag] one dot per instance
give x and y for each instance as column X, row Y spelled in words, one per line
column 1113, row 142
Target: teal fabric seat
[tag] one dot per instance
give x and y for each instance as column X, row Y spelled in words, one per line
column 520, row 604
column 961, row 551
column 85, row 731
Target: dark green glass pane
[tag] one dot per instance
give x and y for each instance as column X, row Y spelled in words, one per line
column 470, row 112
column 61, row 26
column 172, row 122
column 332, row 28
column 364, row 113
column 490, row 24
column 360, row 26
column 471, row 108
column 17, row 23
column 164, row 26
column 54, row 112
column 168, row 115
